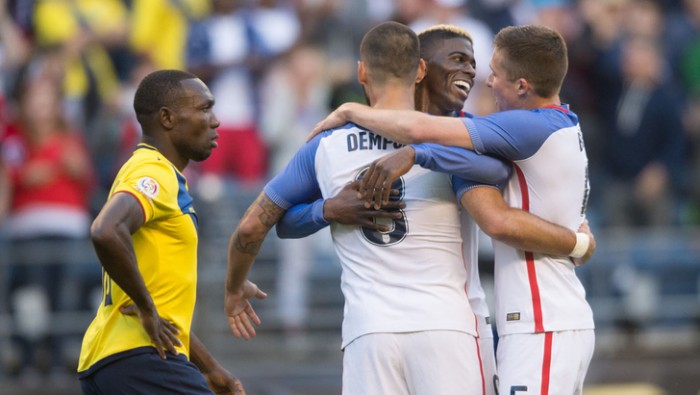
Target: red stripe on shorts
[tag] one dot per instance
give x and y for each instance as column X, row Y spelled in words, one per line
column 546, row 363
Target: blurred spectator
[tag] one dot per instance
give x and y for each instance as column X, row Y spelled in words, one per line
column 131, row 130
column 159, row 29
column 644, row 157
column 295, row 95
column 273, row 28
column 691, row 214
column 88, row 39
column 407, row 11
column 14, row 51
column 560, row 15
column 224, row 65
column 49, row 178
column 495, row 13
column 683, row 31
column 83, row 32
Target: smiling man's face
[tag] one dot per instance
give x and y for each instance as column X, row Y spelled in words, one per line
column 450, row 74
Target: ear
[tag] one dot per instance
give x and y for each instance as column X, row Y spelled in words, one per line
column 166, row 117
column 361, row 73
column 523, row 87
column 422, row 71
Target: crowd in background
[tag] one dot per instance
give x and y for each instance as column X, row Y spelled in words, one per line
column 69, row 69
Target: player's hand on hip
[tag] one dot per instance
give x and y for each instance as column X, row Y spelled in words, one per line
column 348, row 208
column 591, row 245
column 163, row 333
column 239, row 311
column 377, row 181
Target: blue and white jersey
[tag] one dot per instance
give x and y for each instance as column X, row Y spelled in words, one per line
column 538, row 293
column 409, row 279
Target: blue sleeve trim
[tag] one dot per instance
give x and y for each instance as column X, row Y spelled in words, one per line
column 421, row 156
column 302, row 220
column 461, row 162
column 461, row 186
column 473, row 133
column 276, row 198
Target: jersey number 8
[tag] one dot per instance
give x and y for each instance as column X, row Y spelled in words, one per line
column 398, row 228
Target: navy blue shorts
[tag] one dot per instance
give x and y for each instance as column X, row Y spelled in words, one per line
column 145, row 373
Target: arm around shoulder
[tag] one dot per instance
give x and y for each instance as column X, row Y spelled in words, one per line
column 409, row 126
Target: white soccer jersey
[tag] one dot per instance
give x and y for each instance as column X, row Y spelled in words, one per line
column 538, row 293
column 409, row 279
column 475, row 292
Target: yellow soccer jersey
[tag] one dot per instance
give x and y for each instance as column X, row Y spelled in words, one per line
column 166, row 253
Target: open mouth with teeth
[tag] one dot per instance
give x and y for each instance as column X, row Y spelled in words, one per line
column 463, row 85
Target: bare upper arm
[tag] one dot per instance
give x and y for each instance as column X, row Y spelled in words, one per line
column 122, row 209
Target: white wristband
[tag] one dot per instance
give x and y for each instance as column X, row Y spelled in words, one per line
column 581, row 247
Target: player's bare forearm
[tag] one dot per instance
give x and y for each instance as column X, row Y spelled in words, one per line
column 244, row 246
column 515, row 227
column 111, row 236
column 248, row 237
column 200, row 356
column 219, row 379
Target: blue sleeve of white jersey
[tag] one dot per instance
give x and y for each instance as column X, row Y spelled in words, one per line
column 302, row 220
column 461, row 162
column 515, row 134
column 461, row 185
column 297, row 183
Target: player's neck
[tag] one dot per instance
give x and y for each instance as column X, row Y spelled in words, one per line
column 166, row 148
column 394, row 99
column 541, row 102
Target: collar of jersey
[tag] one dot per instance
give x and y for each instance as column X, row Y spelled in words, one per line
column 152, row 148
column 146, row 146
column 563, row 107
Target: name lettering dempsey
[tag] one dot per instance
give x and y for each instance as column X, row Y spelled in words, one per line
column 366, row 140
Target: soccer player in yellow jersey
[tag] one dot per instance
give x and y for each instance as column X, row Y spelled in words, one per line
column 145, row 236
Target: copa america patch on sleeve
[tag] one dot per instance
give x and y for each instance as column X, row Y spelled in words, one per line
column 148, row 186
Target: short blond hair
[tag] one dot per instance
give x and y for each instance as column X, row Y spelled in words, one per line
column 434, row 36
column 450, row 30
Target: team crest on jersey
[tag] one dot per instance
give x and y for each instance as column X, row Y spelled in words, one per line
column 148, row 187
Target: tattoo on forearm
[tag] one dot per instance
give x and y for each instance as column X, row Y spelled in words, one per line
column 251, row 248
column 271, row 213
